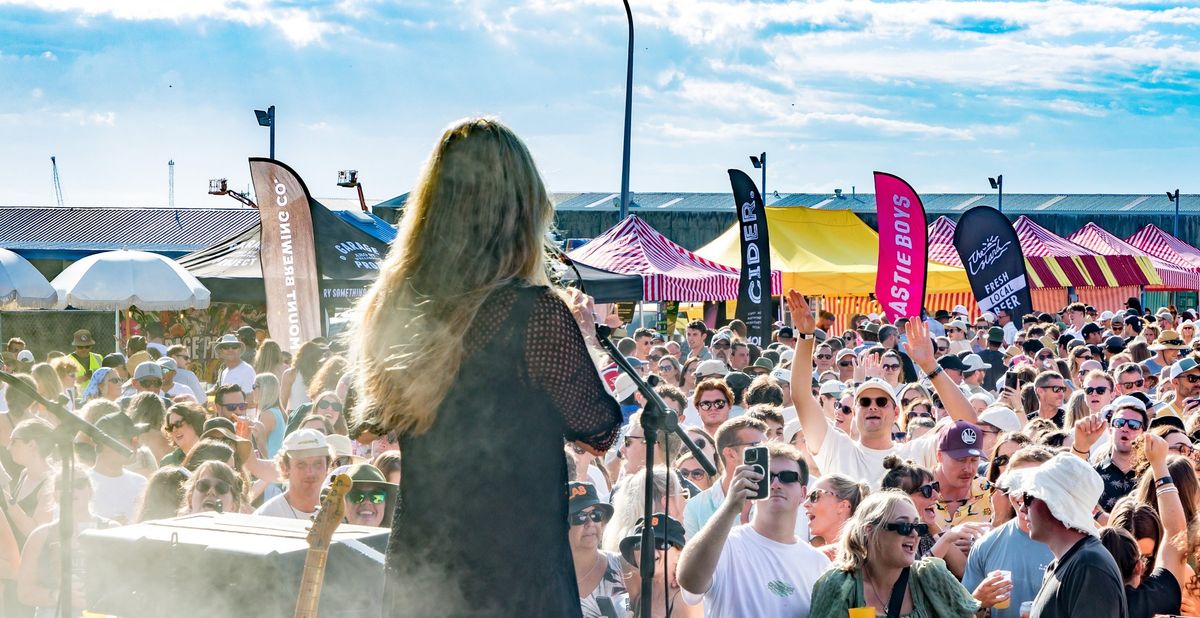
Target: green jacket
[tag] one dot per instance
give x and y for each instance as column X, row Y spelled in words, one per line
column 936, row 593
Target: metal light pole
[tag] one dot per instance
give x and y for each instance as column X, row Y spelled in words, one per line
column 998, row 184
column 267, row 119
column 628, row 117
column 761, row 162
column 1174, row 197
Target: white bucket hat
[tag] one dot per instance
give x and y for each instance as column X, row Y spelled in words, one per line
column 1067, row 484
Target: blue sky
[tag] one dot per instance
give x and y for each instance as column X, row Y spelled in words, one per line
column 1059, row 96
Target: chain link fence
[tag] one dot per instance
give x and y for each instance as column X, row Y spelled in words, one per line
column 48, row 331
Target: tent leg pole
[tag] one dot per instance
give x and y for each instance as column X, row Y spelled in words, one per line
column 117, row 330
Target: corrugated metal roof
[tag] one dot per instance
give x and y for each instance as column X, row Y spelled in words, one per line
column 82, row 231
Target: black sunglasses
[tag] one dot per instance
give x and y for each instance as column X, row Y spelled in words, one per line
column 927, row 490
column 845, row 363
column 331, row 405
column 879, row 401
column 1027, row 500
column 234, row 407
column 695, row 473
column 708, row 405
column 1132, row 385
column 1097, row 390
column 844, row 409
column 786, row 477
column 222, row 487
column 580, row 519
column 905, row 528
column 1000, row 461
column 176, row 425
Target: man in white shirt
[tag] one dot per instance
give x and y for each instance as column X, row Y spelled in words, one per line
column 115, row 490
column 875, row 408
column 183, row 371
column 171, row 388
column 760, row 569
column 233, row 369
column 304, row 461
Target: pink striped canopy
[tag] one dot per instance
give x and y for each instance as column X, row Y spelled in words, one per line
column 1098, row 239
column 1081, row 267
column 668, row 271
column 941, row 242
column 1166, row 247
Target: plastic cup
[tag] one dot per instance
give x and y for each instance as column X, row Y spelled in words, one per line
column 862, row 612
column 1027, row 609
column 1007, row 575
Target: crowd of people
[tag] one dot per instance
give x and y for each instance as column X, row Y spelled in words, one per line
column 935, row 467
column 263, row 436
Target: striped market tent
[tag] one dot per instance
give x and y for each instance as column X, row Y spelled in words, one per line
column 941, row 242
column 1173, row 277
column 1153, row 240
column 1062, row 259
column 668, row 271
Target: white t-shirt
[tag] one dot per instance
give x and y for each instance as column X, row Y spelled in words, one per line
column 759, row 577
column 279, row 507
column 842, row 455
column 242, row 375
column 116, row 497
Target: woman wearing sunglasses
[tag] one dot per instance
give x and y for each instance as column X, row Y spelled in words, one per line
column 998, row 462
column 371, row 498
column 830, row 504
column 326, row 404
column 920, row 485
column 214, row 486
column 876, row 567
column 690, row 469
column 598, row 573
column 182, row 426
column 105, row 384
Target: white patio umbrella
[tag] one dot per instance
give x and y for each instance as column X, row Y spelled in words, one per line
column 22, row 286
column 121, row 279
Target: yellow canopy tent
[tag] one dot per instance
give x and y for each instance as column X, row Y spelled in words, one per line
column 825, row 252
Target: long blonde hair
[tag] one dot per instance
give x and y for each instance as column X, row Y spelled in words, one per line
column 475, row 220
column 866, row 523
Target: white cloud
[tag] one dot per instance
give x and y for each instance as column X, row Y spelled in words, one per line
column 300, row 26
column 49, row 55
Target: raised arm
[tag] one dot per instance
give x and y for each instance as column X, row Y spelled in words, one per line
column 812, row 420
column 1172, row 553
column 701, row 555
column 920, row 347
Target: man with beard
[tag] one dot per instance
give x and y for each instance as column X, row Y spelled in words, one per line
column 304, row 462
column 965, row 498
column 1185, row 375
column 1129, row 421
column 875, row 411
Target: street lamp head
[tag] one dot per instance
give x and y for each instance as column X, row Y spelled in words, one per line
column 265, row 118
column 348, row 178
column 992, row 181
column 755, row 161
column 218, row 186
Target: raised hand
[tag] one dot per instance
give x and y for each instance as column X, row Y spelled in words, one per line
column 920, row 346
column 1087, row 431
column 1154, row 447
column 872, row 366
column 802, row 316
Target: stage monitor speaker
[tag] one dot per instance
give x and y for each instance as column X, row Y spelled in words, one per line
column 227, row 565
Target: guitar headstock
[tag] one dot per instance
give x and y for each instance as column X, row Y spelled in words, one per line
column 330, row 514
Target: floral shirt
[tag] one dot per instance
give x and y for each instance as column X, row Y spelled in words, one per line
column 976, row 509
column 1117, row 483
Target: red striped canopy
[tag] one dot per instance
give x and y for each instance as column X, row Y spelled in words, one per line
column 1166, row 247
column 668, row 271
column 1080, row 267
column 1098, row 239
column 941, row 242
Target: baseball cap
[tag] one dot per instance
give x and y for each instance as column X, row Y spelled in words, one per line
column 962, row 439
column 1001, row 417
column 1106, row 316
column 25, row 356
column 305, row 443
column 710, row 368
column 670, row 533
column 975, row 363
column 121, row 427
column 167, row 364
column 844, row 352
column 832, row 387
column 941, row 314
column 624, row 387
column 786, row 332
column 876, row 384
column 148, row 369
column 951, row 361
column 1091, row 327
column 959, row 310
column 782, row 375
column 582, row 495
column 1182, row 366
column 989, row 316
column 1115, row 343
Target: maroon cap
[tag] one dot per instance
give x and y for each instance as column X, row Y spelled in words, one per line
column 962, row 439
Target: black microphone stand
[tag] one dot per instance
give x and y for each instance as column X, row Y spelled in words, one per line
column 656, row 416
column 68, row 426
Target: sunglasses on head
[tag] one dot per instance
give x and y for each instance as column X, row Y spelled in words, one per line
column 234, row 407
column 906, row 528
column 787, row 477
column 928, row 489
column 879, row 402
column 580, row 519
column 1096, row 390
column 696, row 474
column 222, row 487
column 329, row 405
column 376, row 496
column 708, row 405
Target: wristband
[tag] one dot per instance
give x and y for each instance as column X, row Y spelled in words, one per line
column 933, row 374
column 802, row 336
column 1166, row 480
column 1084, row 453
